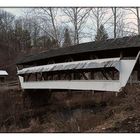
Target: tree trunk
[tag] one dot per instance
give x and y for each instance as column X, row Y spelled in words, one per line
column 138, row 19
column 115, row 22
column 76, row 34
column 53, row 24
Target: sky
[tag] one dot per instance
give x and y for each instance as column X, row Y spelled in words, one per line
column 16, row 11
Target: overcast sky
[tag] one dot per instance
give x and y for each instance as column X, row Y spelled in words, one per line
column 15, row 11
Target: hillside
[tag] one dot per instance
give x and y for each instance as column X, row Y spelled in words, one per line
column 8, row 58
column 83, row 112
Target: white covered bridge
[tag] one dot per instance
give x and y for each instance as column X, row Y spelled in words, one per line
column 98, row 66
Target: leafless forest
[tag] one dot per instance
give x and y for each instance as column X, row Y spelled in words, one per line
column 41, row 29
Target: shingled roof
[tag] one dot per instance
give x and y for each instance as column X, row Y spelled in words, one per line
column 110, row 44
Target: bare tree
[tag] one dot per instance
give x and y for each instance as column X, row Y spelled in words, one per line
column 135, row 11
column 99, row 16
column 119, row 24
column 114, row 11
column 138, row 19
column 77, row 17
column 6, row 24
column 47, row 18
column 31, row 26
column 6, row 29
column 51, row 13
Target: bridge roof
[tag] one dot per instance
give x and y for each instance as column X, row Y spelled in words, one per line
column 76, row 65
column 110, row 44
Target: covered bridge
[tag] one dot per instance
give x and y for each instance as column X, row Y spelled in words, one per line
column 101, row 66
